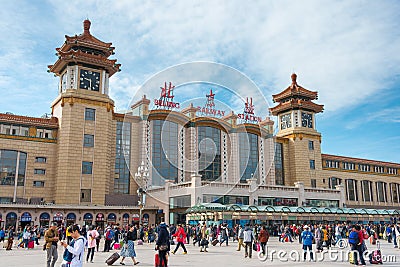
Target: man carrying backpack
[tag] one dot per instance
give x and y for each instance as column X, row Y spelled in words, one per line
column 307, row 239
column 109, row 237
column 356, row 243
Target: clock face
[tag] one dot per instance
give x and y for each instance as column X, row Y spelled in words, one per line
column 306, row 120
column 286, row 121
column 89, row 80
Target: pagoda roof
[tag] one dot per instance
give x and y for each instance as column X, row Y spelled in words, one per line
column 85, row 48
column 296, row 104
column 295, row 90
column 29, row 121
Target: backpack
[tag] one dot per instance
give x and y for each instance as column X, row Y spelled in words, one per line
column 110, row 234
column 353, row 238
column 67, row 256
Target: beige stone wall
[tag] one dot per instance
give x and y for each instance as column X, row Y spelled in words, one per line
column 297, row 156
column 33, row 150
column 71, row 152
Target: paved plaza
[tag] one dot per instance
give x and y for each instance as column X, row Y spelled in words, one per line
column 217, row 256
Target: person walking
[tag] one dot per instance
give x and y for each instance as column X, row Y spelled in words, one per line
column 307, row 239
column 76, row 247
column 163, row 244
column 98, row 238
column 92, row 235
column 2, row 235
column 129, row 247
column 204, row 238
column 180, row 238
column 240, row 238
column 248, row 238
column 263, row 238
column 51, row 239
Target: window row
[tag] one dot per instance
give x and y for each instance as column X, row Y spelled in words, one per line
column 361, row 167
column 24, row 131
column 368, row 189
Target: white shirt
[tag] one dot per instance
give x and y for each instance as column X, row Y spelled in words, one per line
column 78, row 252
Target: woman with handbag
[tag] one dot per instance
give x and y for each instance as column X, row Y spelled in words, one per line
column 162, row 245
column 128, row 249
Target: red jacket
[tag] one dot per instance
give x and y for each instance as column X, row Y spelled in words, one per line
column 180, row 235
column 361, row 236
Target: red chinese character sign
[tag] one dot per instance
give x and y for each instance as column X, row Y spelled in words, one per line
column 166, row 99
column 209, row 107
column 248, row 114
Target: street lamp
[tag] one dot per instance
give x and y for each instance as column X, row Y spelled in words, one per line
column 142, row 177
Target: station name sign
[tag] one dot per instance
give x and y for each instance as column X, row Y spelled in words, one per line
column 167, row 97
column 209, row 107
column 248, row 113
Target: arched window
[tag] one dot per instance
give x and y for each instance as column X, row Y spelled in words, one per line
column 165, row 152
column 381, row 191
column 248, row 156
column 44, row 217
column 394, row 192
column 88, row 217
column 366, row 188
column 125, row 218
column 351, row 190
column 333, row 182
column 26, row 217
column 209, row 148
column 111, row 217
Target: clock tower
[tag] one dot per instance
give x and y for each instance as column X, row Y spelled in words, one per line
column 86, row 136
column 297, row 129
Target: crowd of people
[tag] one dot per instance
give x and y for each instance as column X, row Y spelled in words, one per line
column 76, row 239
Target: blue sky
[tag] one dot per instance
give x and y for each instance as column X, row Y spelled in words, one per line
column 348, row 51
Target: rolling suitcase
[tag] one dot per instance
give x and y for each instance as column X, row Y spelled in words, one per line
column 352, row 258
column 157, row 261
column 214, row 242
column 31, row 244
column 376, row 256
column 113, row 258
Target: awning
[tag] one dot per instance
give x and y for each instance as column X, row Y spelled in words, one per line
column 71, row 217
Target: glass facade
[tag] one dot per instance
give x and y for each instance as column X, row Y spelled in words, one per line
column 322, row 203
column 122, row 158
column 278, row 159
column 248, row 156
column 165, row 152
column 226, row 200
column 8, row 167
column 277, row 201
column 209, row 143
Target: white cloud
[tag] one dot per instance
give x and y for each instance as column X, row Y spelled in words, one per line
column 346, row 50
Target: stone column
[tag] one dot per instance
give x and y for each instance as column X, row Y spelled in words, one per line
column 253, row 196
column 196, row 189
column 342, row 200
column 302, row 197
column 166, row 200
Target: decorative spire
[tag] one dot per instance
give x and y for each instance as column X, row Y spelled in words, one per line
column 294, row 77
column 86, row 26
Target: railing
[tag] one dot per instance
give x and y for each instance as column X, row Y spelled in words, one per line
column 181, row 185
column 321, row 190
column 278, row 188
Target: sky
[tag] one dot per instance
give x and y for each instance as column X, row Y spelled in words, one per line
column 348, row 51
